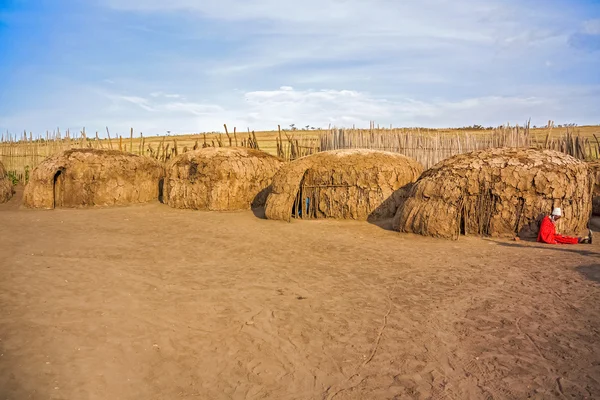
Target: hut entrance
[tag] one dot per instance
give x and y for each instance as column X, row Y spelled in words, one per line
column 316, row 188
column 304, row 205
column 161, row 188
column 58, row 188
column 476, row 212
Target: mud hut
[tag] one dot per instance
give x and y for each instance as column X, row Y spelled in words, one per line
column 342, row 184
column 595, row 167
column 6, row 188
column 91, row 177
column 220, row 179
column 498, row 192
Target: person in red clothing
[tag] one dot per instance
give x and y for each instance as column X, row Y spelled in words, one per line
column 548, row 231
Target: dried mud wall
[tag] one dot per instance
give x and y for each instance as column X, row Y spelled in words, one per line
column 91, row 177
column 6, row 188
column 220, row 179
column 498, row 192
column 344, row 184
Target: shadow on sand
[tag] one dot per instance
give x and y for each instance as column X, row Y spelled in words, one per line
column 259, row 212
column 581, row 249
column 258, row 204
column 591, row 272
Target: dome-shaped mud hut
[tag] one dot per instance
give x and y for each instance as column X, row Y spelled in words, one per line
column 220, row 178
column 92, row 177
column 6, row 189
column 498, row 192
column 342, row 184
column 595, row 167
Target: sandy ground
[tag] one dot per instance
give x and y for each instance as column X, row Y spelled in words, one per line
column 148, row 302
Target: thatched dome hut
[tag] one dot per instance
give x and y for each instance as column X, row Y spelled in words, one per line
column 91, row 177
column 498, row 192
column 595, row 167
column 220, row 178
column 6, row 189
column 343, row 184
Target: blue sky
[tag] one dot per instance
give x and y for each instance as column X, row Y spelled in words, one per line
column 192, row 65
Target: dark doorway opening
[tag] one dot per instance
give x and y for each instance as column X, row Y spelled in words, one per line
column 305, row 201
column 58, row 189
column 161, row 186
column 463, row 223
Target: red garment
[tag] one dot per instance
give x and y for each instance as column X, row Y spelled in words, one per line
column 548, row 234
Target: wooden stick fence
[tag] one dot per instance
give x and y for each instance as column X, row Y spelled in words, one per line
column 429, row 148
column 21, row 153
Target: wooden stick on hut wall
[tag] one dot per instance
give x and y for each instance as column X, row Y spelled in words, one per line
column 280, row 141
column 98, row 141
column 581, row 147
column 161, row 147
column 34, row 154
column 109, row 139
column 227, row 133
column 255, row 141
column 598, row 143
column 166, row 153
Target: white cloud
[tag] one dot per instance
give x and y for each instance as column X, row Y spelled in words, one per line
column 466, row 20
column 138, row 101
column 167, row 95
column 343, row 107
column 265, row 109
column 163, row 103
